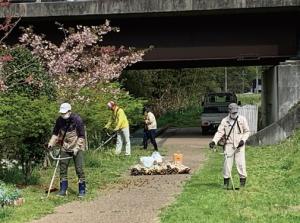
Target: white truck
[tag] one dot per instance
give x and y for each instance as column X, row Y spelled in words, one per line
column 215, row 108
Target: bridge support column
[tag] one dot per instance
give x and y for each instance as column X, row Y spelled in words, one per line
column 280, row 91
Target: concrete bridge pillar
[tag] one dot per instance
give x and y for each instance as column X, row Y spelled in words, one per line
column 280, row 91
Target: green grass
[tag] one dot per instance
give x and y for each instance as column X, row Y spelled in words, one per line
column 188, row 117
column 252, row 99
column 272, row 193
column 102, row 169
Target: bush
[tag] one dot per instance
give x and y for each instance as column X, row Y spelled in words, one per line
column 8, row 194
column 25, row 126
column 93, row 109
column 25, row 75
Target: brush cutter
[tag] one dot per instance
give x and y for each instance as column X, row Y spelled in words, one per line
column 104, row 142
column 58, row 158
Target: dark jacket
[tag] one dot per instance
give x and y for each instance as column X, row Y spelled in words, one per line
column 74, row 139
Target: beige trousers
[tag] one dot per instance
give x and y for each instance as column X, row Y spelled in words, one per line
column 231, row 154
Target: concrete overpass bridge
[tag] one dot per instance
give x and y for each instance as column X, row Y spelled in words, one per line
column 184, row 33
column 192, row 33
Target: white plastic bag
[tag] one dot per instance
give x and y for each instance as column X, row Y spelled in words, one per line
column 147, row 161
column 157, row 157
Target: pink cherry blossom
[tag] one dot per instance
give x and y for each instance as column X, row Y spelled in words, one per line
column 79, row 60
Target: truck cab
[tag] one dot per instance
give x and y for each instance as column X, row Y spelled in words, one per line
column 215, row 108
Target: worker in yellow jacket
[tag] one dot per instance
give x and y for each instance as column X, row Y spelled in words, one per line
column 119, row 123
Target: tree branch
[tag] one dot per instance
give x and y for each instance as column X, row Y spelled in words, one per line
column 9, row 31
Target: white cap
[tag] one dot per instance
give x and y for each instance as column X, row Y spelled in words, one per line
column 64, row 108
column 233, row 108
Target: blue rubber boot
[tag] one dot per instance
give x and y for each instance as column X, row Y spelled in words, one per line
column 63, row 188
column 81, row 188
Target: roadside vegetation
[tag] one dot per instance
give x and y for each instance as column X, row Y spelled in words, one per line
column 188, row 117
column 102, row 169
column 251, row 99
column 173, row 90
column 272, row 193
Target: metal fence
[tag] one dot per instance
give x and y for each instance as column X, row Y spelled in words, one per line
column 250, row 112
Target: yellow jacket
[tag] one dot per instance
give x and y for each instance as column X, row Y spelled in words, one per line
column 118, row 120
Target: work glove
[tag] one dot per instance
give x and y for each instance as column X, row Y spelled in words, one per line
column 49, row 147
column 212, row 144
column 241, row 143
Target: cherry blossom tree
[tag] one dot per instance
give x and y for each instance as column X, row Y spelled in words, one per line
column 6, row 28
column 80, row 60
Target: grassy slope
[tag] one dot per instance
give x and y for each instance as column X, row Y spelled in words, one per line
column 102, row 169
column 189, row 117
column 252, row 99
column 272, row 193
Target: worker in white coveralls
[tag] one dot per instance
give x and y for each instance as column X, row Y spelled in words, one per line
column 234, row 130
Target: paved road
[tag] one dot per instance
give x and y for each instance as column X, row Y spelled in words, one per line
column 138, row 199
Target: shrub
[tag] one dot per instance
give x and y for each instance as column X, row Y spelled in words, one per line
column 95, row 114
column 8, row 194
column 24, row 74
column 25, row 126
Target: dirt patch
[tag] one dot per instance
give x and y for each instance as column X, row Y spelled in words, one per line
column 138, row 199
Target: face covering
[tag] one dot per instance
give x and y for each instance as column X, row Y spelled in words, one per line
column 233, row 115
column 66, row 115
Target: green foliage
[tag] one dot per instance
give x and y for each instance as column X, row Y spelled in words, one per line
column 25, row 75
column 8, row 194
column 188, row 117
column 271, row 195
column 93, row 109
column 25, row 125
column 168, row 90
column 101, row 168
column 251, row 99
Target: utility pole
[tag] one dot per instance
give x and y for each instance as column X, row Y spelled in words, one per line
column 256, row 87
column 243, row 89
column 225, row 73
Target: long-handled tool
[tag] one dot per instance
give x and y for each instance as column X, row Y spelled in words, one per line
column 103, row 143
column 55, row 169
column 58, row 157
column 230, row 175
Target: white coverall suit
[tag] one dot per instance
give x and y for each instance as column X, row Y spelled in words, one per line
column 239, row 132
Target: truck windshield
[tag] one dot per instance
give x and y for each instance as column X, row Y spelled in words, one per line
column 220, row 98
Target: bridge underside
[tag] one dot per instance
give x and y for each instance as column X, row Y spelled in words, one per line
column 191, row 40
